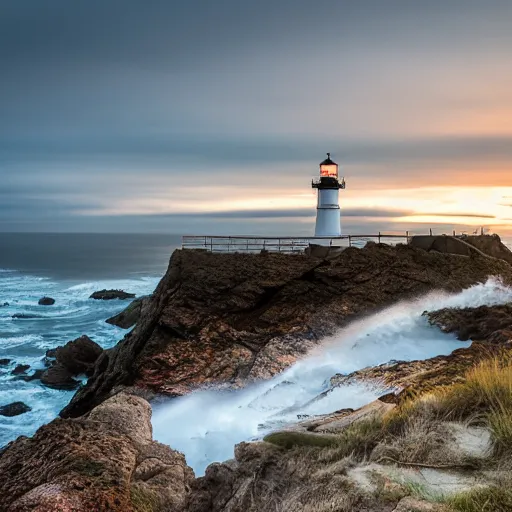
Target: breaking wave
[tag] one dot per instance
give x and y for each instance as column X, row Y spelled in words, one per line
column 205, row 425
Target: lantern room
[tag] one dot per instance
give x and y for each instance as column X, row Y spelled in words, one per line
column 328, row 168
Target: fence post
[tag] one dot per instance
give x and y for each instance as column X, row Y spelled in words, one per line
column 379, row 237
column 349, row 241
column 430, row 231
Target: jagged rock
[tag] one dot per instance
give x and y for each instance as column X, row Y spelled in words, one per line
column 129, row 316
column 74, row 358
column 418, row 376
column 34, row 376
column 59, row 377
column 24, row 316
column 14, row 409
column 5, row 362
column 233, row 318
column 111, row 294
column 20, row 368
column 107, row 461
column 473, row 323
column 5, row 305
column 46, row 301
column 79, row 355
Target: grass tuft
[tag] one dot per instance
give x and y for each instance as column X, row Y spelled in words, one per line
column 289, row 439
column 485, row 499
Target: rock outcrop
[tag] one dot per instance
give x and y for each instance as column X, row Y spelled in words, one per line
column 14, row 409
column 475, row 323
column 233, row 318
column 79, row 356
column 412, row 377
column 130, row 316
column 46, row 301
column 111, row 294
column 20, row 369
column 74, row 358
column 106, row 461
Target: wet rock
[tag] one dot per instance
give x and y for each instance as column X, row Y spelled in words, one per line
column 49, row 357
column 14, row 409
column 46, row 301
column 111, row 294
column 59, row 377
column 129, row 316
column 411, row 377
column 25, row 316
column 4, row 305
column 234, row 318
column 107, row 462
column 20, row 368
column 5, row 362
column 473, row 323
column 79, row 355
column 34, row 376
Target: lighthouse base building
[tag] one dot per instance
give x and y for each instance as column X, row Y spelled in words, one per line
column 328, row 219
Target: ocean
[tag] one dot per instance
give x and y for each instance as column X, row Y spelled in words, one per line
column 67, row 267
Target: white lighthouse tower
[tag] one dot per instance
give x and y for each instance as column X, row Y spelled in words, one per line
column 328, row 222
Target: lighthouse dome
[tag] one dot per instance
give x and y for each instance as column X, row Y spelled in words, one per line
column 328, row 168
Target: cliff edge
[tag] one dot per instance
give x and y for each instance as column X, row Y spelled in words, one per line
column 227, row 319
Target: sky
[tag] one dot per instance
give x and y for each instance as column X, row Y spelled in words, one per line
column 206, row 116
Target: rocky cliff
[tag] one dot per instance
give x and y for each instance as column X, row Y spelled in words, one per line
column 217, row 319
column 104, row 461
column 231, row 318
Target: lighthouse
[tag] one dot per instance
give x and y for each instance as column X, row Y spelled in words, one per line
column 328, row 222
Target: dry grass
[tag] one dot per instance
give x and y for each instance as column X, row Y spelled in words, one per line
column 291, row 439
column 487, row 388
column 484, row 397
column 485, row 499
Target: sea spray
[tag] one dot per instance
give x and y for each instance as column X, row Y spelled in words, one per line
column 206, row 425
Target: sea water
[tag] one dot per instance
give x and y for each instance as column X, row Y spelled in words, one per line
column 67, row 268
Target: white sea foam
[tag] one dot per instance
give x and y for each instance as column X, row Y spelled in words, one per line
column 205, row 425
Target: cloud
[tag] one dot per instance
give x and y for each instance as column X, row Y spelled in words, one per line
column 288, row 213
column 436, row 214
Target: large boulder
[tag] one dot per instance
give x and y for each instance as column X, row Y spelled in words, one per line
column 79, row 355
column 111, row 294
column 129, row 316
column 106, row 461
column 59, row 377
column 235, row 318
column 14, row 409
column 74, row 358
column 46, row 301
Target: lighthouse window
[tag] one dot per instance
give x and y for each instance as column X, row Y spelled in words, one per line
column 330, row 171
